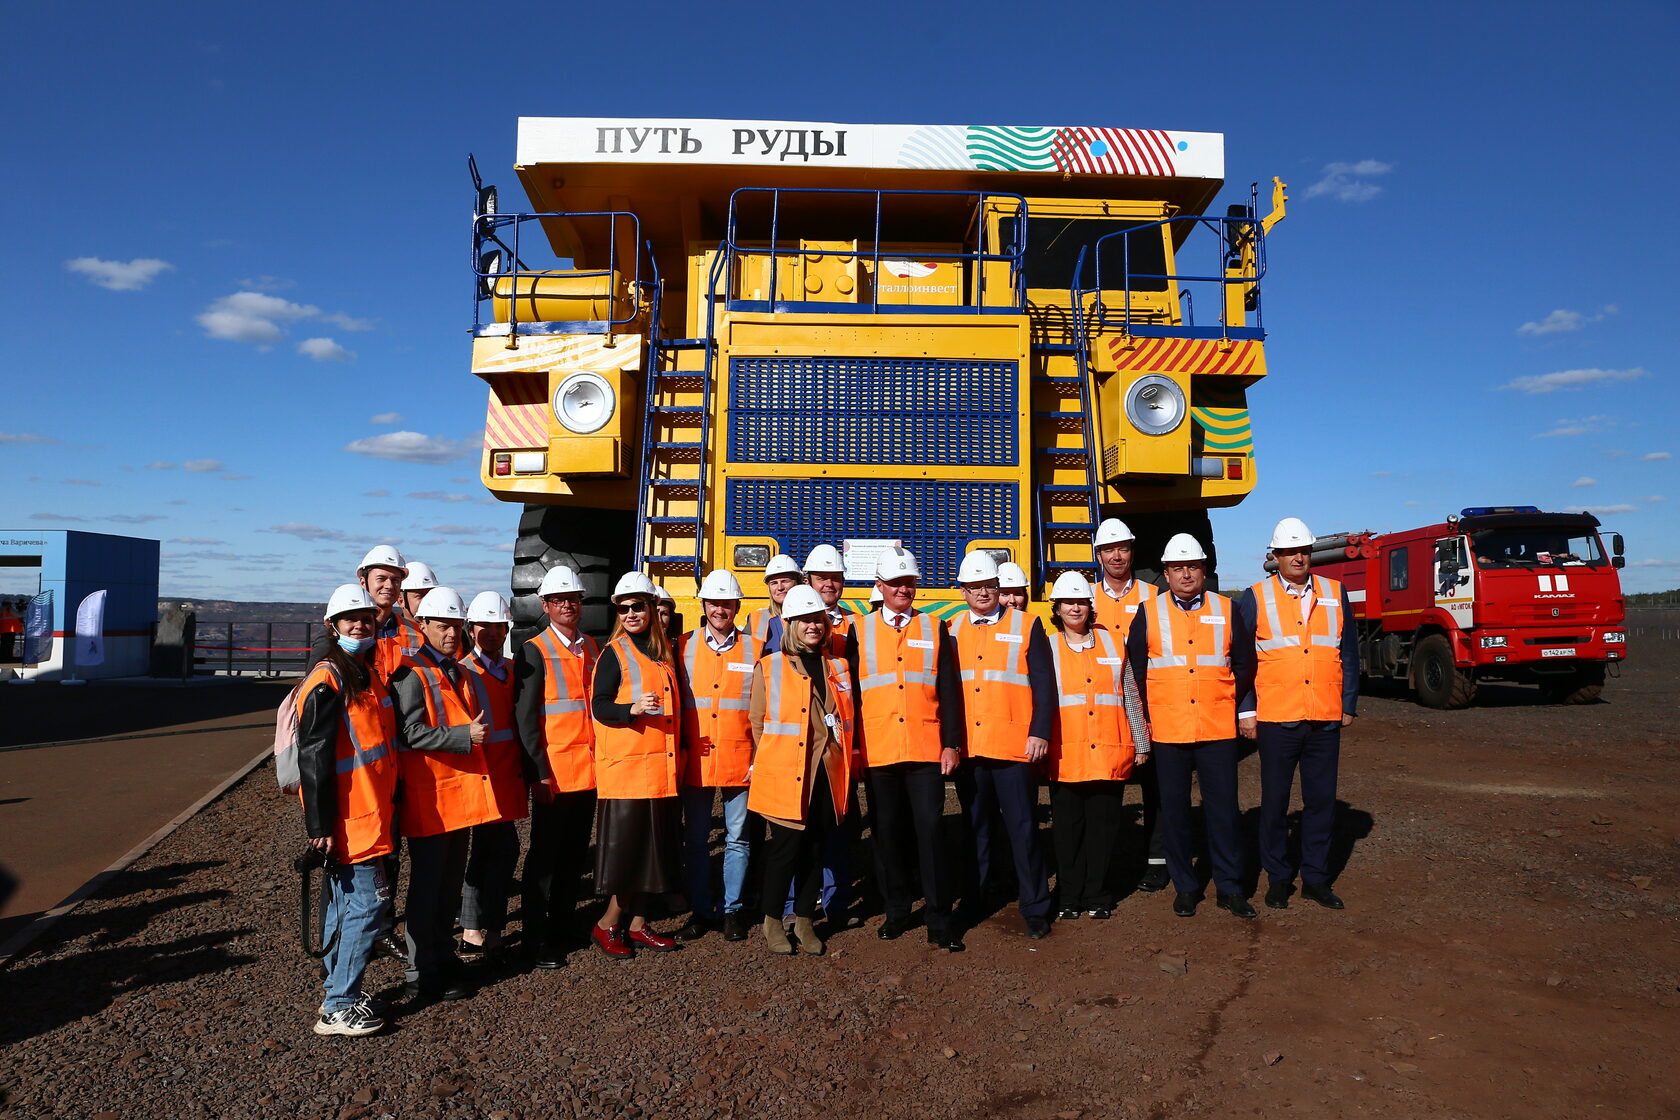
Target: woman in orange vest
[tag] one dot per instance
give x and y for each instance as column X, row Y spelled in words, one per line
column 637, row 705
column 1100, row 736
column 801, row 767
column 347, row 737
column 494, row 847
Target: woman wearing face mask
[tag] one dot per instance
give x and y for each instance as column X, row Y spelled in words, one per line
column 637, row 708
column 347, row 763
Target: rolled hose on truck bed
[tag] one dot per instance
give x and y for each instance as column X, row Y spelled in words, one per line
column 1321, row 555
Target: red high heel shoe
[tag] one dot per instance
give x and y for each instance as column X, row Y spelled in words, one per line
column 647, row 939
column 611, row 942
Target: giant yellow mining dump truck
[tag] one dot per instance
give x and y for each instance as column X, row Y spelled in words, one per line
column 712, row 341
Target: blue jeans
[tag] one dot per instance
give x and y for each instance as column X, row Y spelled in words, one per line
column 357, row 905
column 697, row 837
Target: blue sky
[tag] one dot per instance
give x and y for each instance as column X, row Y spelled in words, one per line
column 238, row 239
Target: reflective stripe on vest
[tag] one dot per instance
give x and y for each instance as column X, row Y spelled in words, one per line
column 1168, row 659
column 1318, row 589
column 716, row 698
column 1105, row 640
column 781, row 762
column 869, row 637
column 1296, row 680
column 1016, row 621
column 1192, row 699
column 738, row 702
column 640, row 760
column 494, row 732
column 898, row 700
column 364, row 752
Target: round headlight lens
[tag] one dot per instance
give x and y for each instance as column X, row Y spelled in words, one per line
column 1155, row 405
column 584, row 403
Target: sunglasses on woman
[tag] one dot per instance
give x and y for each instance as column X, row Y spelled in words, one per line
column 638, row 607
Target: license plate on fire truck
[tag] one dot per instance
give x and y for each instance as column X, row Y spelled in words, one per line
column 1566, row 652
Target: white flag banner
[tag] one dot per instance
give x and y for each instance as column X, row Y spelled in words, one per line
column 90, row 630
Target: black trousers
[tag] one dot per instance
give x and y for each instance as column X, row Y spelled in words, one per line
column 437, row 865
column 1214, row 766
column 1314, row 748
column 555, row 863
column 794, row 857
column 1087, row 825
column 908, row 800
column 1149, row 790
column 994, row 791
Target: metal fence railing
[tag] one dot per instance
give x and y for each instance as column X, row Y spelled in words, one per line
column 267, row 649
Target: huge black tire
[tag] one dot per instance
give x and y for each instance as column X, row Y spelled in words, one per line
column 1440, row 683
column 1153, row 530
column 1581, row 688
column 595, row 543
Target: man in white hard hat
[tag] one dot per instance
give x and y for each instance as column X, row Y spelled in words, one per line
column 1305, row 690
column 1012, row 585
column 381, row 574
column 715, row 661
column 446, row 789
column 910, row 700
column 553, row 676
column 420, row 579
column 1195, row 666
column 1009, row 713
column 781, row 575
column 1118, row 596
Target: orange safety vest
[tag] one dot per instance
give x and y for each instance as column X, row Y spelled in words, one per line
column 494, row 699
column 1298, row 674
column 443, row 791
column 568, row 729
column 837, row 635
column 758, row 622
column 1117, row 614
column 10, row 621
column 1093, row 741
column 1192, row 691
column 639, row 760
column 997, row 696
column 717, row 728
column 782, row 759
column 897, row 690
column 365, row 758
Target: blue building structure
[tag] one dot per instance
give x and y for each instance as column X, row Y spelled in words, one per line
column 72, row 565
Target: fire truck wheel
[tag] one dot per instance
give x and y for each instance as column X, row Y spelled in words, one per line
column 1582, row 688
column 1440, row 683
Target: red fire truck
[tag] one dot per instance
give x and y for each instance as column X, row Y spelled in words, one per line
column 1496, row 593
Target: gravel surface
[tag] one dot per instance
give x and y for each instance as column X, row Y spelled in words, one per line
column 1510, row 948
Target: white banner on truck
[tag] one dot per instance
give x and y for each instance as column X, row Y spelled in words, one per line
column 90, row 631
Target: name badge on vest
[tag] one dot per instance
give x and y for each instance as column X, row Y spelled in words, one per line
column 1111, row 661
column 1329, row 602
column 918, row 643
column 1131, row 608
column 739, row 666
column 1016, row 638
column 1212, row 618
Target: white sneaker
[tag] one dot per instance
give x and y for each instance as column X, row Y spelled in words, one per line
column 354, row 1021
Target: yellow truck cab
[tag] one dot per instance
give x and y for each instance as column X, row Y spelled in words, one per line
column 709, row 342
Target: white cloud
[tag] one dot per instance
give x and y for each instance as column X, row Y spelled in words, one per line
column 1655, row 457
column 324, row 350
column 1622, row 507
column 1577, row 427
column 203, row 466
column 376, row 493
column 119, row 276
column 252, row 317
column 1584, row 481
column 1572, row 379
column 1563, row 320
column 196, row 540
column 1350, row 182
column 267, row 283
column 55, row 517
column 439, row 496
column 505, row 546
column 81, row 482
column 386, row 418
column 408, row 447
column 347, row 323
column 1653, row 498
column 456, row 530
column 24, row 437
column 1654, row 563
column 160, row 465
column 132, row 518
column 236, row 478
column 305, row 531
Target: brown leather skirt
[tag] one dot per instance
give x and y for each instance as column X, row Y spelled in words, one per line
column 638, row 846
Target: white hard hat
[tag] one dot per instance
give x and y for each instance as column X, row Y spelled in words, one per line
column 661, row 594
column 1182, row 547
column 442, row 602
column 559, row 580
column 875, row 595
column 1292, row 532
column 489, row 606
column 720, row 583
column 977, row 566
column 382, row 556
column 1011, row 574
column 1071, row 585
column 1111, row 531
column 782, row 564
column 802, row 601
column 420, row 577
column 824, row 558
column 896, row 562
column 347, row 597
column 631, row 584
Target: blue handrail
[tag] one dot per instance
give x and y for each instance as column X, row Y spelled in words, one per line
column 505, row 232
column 1014, row 255
column 1231, row 231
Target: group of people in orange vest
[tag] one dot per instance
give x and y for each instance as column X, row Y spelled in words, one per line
column 415, row 723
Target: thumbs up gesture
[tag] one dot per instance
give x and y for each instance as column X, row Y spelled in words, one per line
column 477, row 730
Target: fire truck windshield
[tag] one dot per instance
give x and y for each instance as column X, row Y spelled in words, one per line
column 1536, row 547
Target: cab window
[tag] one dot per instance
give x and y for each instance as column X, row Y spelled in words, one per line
column 1398, row 573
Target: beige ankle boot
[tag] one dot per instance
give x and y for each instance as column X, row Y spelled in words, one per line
column 776, row 937
column 806, row 932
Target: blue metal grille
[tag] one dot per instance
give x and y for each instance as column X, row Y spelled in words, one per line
column 935, row 519
column 873, row 410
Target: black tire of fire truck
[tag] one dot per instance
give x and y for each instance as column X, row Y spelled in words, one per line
column 1437, row 681
column 1582, row 687
column 1153, row 530
column 595, row 543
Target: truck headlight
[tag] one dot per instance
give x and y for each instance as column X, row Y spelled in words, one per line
column 584, row 403
column 1493, row 641
column 1615, row 637
column 1155, row 405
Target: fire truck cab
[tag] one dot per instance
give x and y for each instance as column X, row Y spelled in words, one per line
column 1495, row 593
